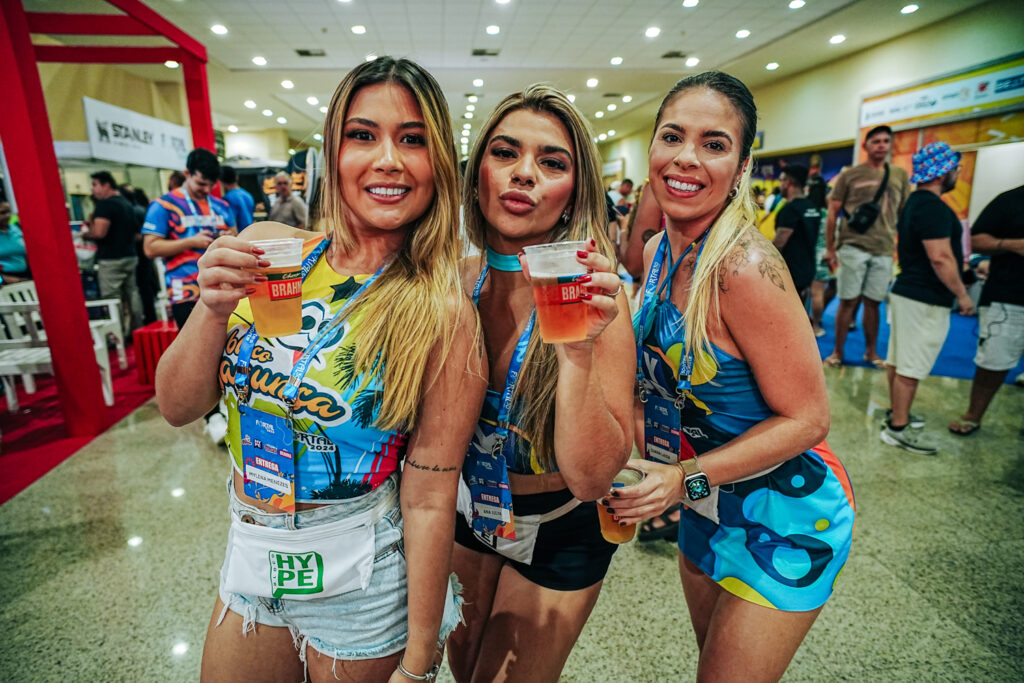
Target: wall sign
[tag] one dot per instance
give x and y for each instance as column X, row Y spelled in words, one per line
column 126, row 136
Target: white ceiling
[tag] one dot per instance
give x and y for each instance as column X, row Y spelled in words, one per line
column 563, row 42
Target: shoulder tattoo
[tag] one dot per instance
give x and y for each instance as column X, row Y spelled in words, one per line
column 753, row 249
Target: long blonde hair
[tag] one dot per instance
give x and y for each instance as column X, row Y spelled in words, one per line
column 411, row 302
column 534, row 399
column 737, row 215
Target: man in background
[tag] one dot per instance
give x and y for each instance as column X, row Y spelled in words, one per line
column 114, row 228
column 930, row 280
column 999, row 232
column 864, row 258
column 621, row 198
column 289, row 208
column 796, row 228
column 176, row 180
column 13, row 257
column 240, row 201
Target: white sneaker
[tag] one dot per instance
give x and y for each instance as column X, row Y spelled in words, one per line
column 909, row 439
column 216, row 428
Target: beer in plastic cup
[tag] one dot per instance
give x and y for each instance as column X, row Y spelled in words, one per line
column 612, row 531
column 561, row 313
column 277, row 303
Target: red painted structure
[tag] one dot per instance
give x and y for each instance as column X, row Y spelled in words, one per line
column 28, row 147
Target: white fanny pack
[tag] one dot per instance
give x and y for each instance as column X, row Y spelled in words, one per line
column 301, row 564
column 519, row 549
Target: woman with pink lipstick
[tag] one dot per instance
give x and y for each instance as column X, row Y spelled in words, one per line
column 564, row 432
column 733, row 397
column 346, row 438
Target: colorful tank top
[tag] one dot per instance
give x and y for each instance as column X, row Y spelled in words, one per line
column 339, row 453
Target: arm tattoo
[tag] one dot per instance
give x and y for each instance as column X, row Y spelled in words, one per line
column 428, row 468
column 751, row 250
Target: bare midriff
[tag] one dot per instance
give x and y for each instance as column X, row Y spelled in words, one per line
column 527, row 484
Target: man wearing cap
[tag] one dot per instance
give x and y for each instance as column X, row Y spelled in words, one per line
column 863, row 261
column 931, row 263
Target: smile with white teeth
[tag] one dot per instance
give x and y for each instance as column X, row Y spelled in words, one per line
column 682, row 187
column 388, row 191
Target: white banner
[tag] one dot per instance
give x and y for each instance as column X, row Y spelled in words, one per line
column 129, row 137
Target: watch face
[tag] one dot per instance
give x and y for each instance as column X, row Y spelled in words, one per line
column 697, row 486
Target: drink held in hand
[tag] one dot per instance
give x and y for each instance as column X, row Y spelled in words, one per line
column 561, row 313
column 277, row 303
column 612, row 531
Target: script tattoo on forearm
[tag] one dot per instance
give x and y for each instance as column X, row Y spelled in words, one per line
column 429, row 468
column 769, row 262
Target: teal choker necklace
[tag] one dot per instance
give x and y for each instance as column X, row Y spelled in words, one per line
column 506, row 262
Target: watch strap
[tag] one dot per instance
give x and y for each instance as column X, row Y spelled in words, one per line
column 689, row 466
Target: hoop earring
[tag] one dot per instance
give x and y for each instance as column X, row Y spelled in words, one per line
column 565, row 216
column 734, row 192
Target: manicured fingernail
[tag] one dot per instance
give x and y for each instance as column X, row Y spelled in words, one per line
column 622, row 524
column 522, row 253
column 611, row 511
column 581, row 253
column 584, row 278
column 263, row 263
column 586, row 297
column 615, row 494
column 593, row 243
column 259, row 278
column 257, row 251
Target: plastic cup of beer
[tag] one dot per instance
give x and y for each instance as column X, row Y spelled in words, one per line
column 561, row 313
column 612, row 531
column 277, row 303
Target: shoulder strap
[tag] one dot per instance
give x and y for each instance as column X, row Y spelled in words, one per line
column 881, row 188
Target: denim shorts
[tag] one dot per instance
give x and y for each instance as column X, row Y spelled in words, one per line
column 362, row 624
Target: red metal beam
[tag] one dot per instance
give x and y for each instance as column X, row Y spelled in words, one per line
column 28, row 146
column 138, row 11
column 197, row 92
column 81, row 54
column 87, row 24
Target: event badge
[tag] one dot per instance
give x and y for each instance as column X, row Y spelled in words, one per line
column 487, row 477
column 664, row 441
column 268, row 464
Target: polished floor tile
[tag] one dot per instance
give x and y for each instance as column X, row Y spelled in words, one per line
column 110, row 561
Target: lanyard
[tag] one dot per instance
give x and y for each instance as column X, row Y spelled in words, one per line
column 301, row 366
column 514, row 367
column 191, row 205
column 653, row 291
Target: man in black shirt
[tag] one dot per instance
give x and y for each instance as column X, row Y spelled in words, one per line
column 114, row 228
column 999, row 231
column 796, row 228
column 931, row 263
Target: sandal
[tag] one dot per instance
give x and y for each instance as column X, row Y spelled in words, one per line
column 833, row 361
column 668, row 531
column 877, row 362
column 957, row 427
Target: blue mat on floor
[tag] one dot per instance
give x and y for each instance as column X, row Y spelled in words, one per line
column 955, row 360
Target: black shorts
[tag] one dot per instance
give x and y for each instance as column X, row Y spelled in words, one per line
column 570, row 553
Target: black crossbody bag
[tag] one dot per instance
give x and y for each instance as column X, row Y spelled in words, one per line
column 866, row 214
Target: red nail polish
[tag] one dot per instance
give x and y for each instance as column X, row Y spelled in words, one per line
column 584, row 278
column 593, row 243
column 586, row 297
column 257, row 251
column 522, row 253
column 263, row 263
column 581, row 253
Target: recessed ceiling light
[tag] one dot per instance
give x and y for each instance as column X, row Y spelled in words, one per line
column 692, row 61
column 318, row 137
column 359, row 29
column 470, row 107
column 742, row 33
column 171, row 64
column 627, row 98
column 465, row 149
column 837, row 38
column 771, row 66
column 473, row 98
column 267, row 112
column 591, row 82
column 478, row 82
column 616, row 61
column 464, row 140
column 611, row 133
column 502, row 2
column 598, row 114
column 797, row 4
column 232, row 129
column 493, row 30
column 323, row 110
column 602, row 136
column 291, row 151
column 572, row 98
column 467, row 126
column 468, row 115
column 612, row 107
column 312, row 100
column 909, row 9
column 652, row 32
column 219, row 29
column 249, row 104
column 690, row 3
column 345, row 1
column 259, row 61
column 370, row 57
column 287, row 85
column 282, row 120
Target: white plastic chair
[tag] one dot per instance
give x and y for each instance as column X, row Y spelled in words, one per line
column 25, row 351
column 110, row 324
column 163, row 302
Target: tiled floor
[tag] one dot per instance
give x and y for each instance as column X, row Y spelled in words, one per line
column 109, row 563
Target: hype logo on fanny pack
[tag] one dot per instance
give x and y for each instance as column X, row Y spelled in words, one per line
column 296, row 573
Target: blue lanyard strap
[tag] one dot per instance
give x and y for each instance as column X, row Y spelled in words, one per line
column 514, row 368
column 652, row 292
column 248, row 345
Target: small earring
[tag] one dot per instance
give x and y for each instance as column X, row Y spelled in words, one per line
column 565, row 216
column 734, row 192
